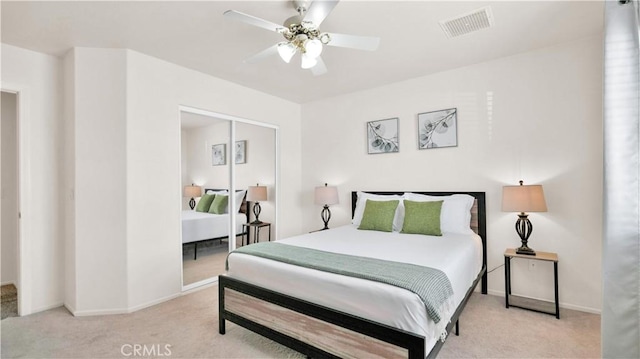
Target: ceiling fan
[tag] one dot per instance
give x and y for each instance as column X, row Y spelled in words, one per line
column 302, row 34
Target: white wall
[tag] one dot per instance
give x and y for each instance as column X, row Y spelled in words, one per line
column 535, row 116
column 9, row 190
column 155, row 90
column 200, row 170
column 100, row 157
column 40, row 77
column 68, row 194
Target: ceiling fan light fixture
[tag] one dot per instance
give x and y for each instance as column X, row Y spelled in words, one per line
column 308, row 61
column 286, row 50
column 313, row 48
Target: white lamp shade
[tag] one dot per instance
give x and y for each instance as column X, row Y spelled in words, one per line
column 192, row 191
column 286, row 50
column 313, row 48
column 308, row 61
column 326, row 195
column 257, row 193
column 523, row 198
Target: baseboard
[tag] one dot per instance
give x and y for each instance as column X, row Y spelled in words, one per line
column 84, row 313
column 154, row 302
column 188, row 290
column 46, row 307
column 562, row 305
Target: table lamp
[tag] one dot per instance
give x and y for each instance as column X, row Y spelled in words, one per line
column 523, row 199
column 256, row 194
column 192, row 191
column 326, row 195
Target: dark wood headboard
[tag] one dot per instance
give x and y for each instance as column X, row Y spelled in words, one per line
column 244, row 207
column 478, row 218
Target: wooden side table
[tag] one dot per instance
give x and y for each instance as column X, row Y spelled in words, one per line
column 246, row 229
column 528, row 303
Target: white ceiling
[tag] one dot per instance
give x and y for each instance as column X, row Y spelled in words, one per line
column 197, row 36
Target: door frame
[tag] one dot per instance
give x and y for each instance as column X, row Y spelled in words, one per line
column 24, row 197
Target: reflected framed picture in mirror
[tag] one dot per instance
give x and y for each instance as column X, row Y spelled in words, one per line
column 219, row 154
column 241, row 152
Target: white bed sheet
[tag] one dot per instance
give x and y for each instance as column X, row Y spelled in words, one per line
column 197, row 226
column 459, row 256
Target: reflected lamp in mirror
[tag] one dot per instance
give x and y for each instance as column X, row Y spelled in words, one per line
column 256, row 194
column 326, row 196
column 522, row 199
column 192, row 191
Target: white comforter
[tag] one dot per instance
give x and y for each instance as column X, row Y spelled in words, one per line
column 197, row 226
column 457, row 255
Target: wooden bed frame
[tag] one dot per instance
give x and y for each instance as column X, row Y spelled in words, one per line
column 321, row 332
column 244, row 208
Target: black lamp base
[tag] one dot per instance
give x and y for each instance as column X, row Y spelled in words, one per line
column 326, row 216
column 192, row 203
column 524, row 229
column 526, row 250
column 256, row 212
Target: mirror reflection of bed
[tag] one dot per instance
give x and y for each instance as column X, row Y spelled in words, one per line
column 199, row 135
column 205, row 235
column 208, row 156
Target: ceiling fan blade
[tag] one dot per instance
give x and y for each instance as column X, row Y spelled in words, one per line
column 255, row 21
column 320, row 68
column 366, row 43
column 319, row 10
column 269, row 51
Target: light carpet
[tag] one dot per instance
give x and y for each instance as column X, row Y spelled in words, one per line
column 189, row 324
column 210, row 262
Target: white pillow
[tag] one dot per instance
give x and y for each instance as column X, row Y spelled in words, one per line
column 398, row 219
column 238, row 197
column 455, row 216
column 210, row 191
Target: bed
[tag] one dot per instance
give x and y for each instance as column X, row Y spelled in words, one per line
column 328, row 315
column 199, row 227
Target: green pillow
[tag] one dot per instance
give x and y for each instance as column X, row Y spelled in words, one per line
column 378, row 215
column 422, row 218
column 219, row 204
column 204, row 202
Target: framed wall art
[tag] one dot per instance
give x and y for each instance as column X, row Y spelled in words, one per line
column 241, row 152
column 219, row 154
column 438, row 129
column 382, row 136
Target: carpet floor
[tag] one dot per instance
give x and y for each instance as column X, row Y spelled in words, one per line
column 210, row 262
column 189, row 326
column 9, row 302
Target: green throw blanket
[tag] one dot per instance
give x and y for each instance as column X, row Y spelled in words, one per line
column 430, row 284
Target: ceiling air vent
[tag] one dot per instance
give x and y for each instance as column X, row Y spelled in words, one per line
column 467, row 23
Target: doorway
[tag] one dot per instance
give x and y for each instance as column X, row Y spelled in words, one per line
column 9, row 209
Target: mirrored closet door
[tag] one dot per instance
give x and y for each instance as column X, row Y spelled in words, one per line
column 223, row 154
column 255, row 172
column 205, row 149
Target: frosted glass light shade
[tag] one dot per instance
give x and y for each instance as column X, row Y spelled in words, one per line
column 523, row 198
column 308, row 61
column 257, row 193
column 313, row 48
column 286, row 50
column 326, row 195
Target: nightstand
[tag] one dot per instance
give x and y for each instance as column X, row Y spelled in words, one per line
column 246, row 229
column 527, row 303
